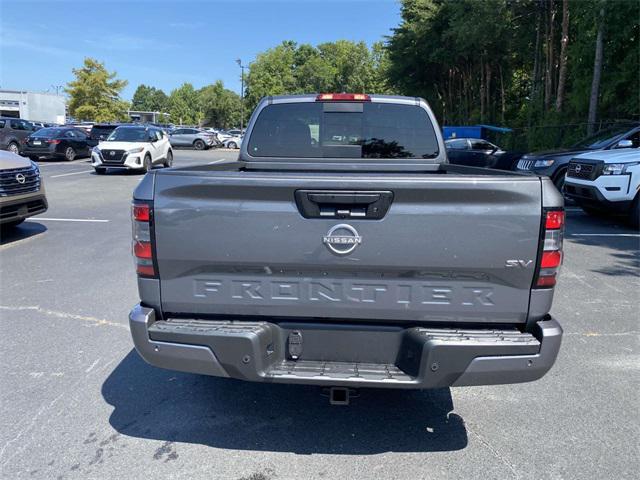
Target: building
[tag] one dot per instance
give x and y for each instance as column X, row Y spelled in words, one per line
column 148, row 117
column 37, row 107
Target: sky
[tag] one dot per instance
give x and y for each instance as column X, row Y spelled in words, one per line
column 164, row 43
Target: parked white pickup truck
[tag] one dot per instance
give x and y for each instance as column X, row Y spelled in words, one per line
column 606, row 181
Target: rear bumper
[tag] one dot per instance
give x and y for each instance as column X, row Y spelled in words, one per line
column 418, row 357
column 46, row 151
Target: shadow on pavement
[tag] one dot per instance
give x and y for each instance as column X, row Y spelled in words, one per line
column 24, row 230
column 162, row 405
column 609, row 233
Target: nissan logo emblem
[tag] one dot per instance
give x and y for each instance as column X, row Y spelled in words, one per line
column 578, row 167
column 342, row 239
column 20, row 178
column 112, row 153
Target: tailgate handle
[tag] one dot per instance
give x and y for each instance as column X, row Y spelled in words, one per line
column 366, row 205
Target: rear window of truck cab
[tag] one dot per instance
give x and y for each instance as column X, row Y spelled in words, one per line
column 343, row 130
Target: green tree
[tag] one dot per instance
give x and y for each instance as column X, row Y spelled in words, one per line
column 184, row 106
column 220, row 106
column 272, row 73
column 312, row 72
column 341, row 66
column 149, row 99
column 95, row 93
column 350, row 64
column 510, row 62
column 379, row 65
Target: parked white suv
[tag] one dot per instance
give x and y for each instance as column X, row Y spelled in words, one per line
column 606, row 181
column 133, row 148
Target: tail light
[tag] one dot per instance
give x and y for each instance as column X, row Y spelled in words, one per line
column 343, row 97
column 550, row 258
column 142, row 216
column 54, row 142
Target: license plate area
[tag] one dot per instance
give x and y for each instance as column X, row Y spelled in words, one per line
column 349, row 343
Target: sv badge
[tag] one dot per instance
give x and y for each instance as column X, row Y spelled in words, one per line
column 518, row 263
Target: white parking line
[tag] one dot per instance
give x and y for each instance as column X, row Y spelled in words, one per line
column 72, row 173
column 90, row 220
column 217, row 161
column 635, row 235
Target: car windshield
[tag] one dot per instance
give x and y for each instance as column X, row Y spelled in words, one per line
column 48, row 132
column 343, row 130
column 603, row 138
column 129, row 135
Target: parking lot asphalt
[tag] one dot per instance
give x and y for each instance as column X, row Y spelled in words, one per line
column 76, row 401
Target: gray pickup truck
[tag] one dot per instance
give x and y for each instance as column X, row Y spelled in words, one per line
column 343, row 250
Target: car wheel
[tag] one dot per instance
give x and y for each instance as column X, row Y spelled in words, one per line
column 14, row 148
column 634, row 213
column 168, row 162
column 232, row 145
column 100, row 170
column 70, row 154
column 147, row 163
column 199, row 145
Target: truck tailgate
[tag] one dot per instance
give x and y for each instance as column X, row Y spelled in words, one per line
column 236, row 243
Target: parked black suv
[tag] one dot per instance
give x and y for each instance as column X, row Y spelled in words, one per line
column 554, row 163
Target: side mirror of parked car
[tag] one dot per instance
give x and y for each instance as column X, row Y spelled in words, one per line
column 624, row 144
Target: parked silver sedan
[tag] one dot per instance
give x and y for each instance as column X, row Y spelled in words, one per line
column 192, row 137
column 232, row 142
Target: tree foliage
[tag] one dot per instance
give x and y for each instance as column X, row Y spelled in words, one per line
column 521, row 63
column 149, row 99
column 501, row 61
column 220, row 106
column 95, row 93
column 184, row 106
column 212, row 105
column 341, row 66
